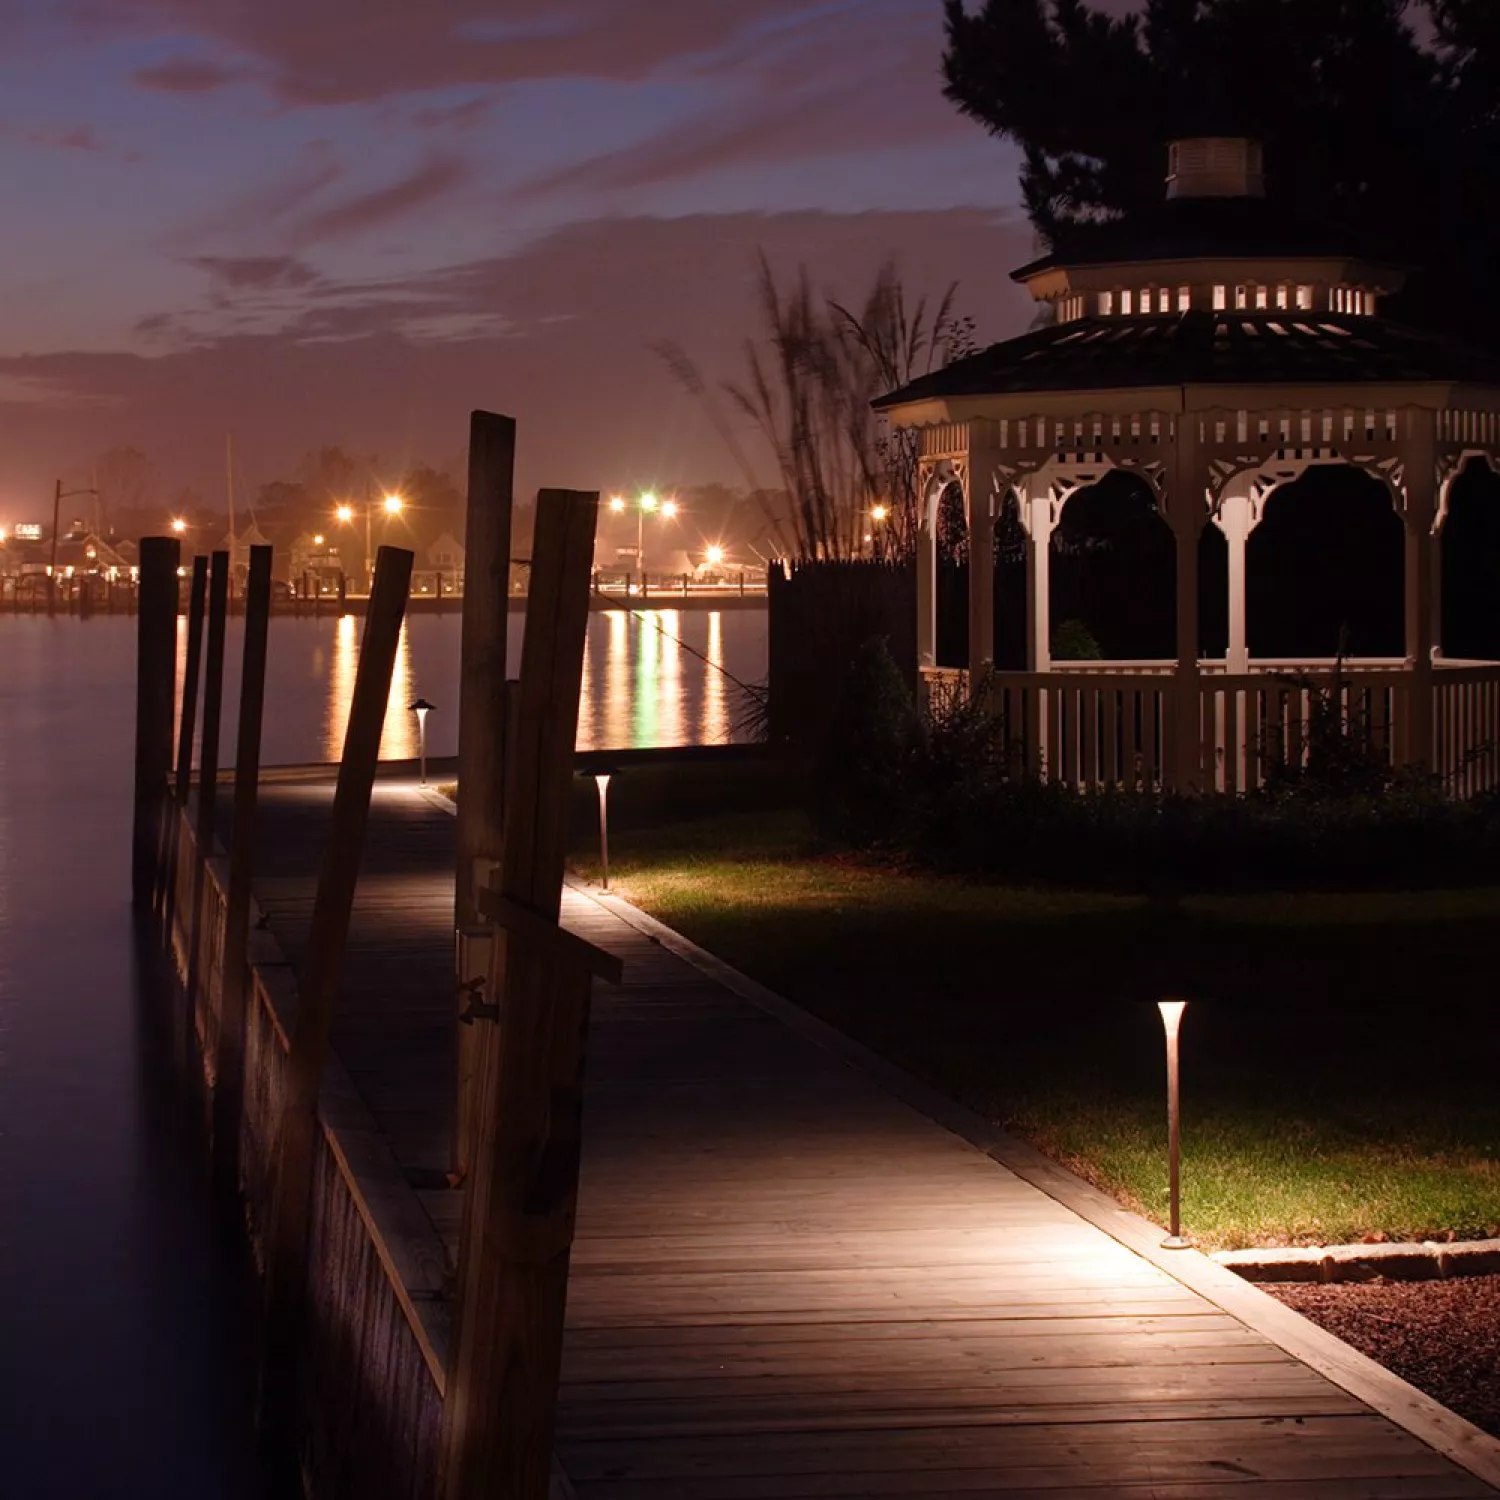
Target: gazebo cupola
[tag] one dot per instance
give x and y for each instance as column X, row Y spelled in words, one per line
column 1214, row 245
column 1217, row 347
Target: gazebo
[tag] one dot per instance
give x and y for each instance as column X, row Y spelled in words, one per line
column 1218, row 351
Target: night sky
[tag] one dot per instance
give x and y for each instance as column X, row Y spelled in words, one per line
column 350, row 221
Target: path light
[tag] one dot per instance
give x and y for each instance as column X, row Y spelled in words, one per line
column 421, row 708
column 1171, row 1020
column 601, row 780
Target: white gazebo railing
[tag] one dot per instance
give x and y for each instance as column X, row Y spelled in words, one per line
column 1094, row 725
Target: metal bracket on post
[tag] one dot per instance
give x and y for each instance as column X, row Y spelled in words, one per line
column 474, row 957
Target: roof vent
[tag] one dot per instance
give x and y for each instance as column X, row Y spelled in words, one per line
column 1216, row 166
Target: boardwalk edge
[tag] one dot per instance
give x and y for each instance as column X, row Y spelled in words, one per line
column 1383, row 1392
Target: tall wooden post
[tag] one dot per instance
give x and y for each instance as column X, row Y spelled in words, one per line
column 208, row 770
column 171, row 851
column 317, row 993
column 481, row 702
column 506, row 1349
column 229, row 1059
column 156, row 687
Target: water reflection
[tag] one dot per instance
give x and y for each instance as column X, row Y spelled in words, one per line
column 398, row 736
column 716, row 718
column 649, row 678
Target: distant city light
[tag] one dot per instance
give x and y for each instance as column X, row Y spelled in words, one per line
column 669, row 510
column 617, row 503
column 317, row 541
column 345, row 513
column 879, row 513
column 179, row 525
column 28, row 531
column 393, row 504
column 714, row 556
column 4, row 535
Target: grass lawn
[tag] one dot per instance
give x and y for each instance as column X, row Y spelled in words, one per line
column 1339, row 1062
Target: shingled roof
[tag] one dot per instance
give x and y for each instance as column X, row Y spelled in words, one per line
column 1205, row 348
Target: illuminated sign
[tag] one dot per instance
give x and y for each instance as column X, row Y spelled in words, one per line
column 28, row 531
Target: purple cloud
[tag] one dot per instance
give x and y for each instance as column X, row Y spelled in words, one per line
column 365, row 210
column 185, row 75
column 373, row 49
column 73, row 138
column 256, row 272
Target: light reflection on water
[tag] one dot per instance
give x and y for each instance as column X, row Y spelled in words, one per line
column 657, row 677
column 649, row 678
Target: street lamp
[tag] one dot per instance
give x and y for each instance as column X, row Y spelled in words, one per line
column 391, row 504
column 714, row 555
column 179, row 525
column 1171, row 1020
column 421, row 708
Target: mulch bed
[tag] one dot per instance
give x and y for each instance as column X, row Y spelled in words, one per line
column 1442, row 1336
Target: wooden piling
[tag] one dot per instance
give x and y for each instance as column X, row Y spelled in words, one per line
column 208, row 771
column 317, row 993
column 501, row 1392
column 155, row 692
column 481, row 699
column 229, row 1052
column 171, row 840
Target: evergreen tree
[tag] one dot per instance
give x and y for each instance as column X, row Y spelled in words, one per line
column 1366, row 124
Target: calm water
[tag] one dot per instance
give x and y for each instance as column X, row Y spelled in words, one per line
column 657, row 677
column 124, row 1367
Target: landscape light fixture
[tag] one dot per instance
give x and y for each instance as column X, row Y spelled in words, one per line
column 1171, row 1020
column 601, row 780
column 421, row 708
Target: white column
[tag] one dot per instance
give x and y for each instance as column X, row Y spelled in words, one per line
column 1236, row 519
column 979, row 496
column 1188, row 514
column 1420, row 514
column 927, row 572
column 1036, row 512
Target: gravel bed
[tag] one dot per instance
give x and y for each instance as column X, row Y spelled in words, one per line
column 1442, row 1336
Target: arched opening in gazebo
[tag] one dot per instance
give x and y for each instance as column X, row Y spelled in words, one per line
column 1470, row 550
column 1113, row 569
column 1324, row 571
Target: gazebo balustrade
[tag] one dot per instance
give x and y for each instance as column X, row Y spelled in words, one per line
column 1214, row 396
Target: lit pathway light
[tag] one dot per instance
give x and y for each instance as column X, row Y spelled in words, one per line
column 1171, row 1020
column 601, row 780
column 421, row 708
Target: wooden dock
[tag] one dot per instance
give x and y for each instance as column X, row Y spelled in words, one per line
column 790, row 1281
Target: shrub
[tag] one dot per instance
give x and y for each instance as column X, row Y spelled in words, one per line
column 861, row 778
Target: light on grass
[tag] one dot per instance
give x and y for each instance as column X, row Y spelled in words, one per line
column 421, row 708
column 1171, row 1020
column 601, row 780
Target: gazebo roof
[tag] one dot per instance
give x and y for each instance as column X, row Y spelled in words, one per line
column 1206, row 348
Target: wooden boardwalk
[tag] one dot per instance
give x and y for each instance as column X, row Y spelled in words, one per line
column 789, row 1282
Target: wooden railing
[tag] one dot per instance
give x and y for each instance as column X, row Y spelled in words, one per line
column 1466, row 728
column 1092, row 727
column 376, row 1347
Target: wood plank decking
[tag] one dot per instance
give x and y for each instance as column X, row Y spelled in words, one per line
column 789, row 1282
